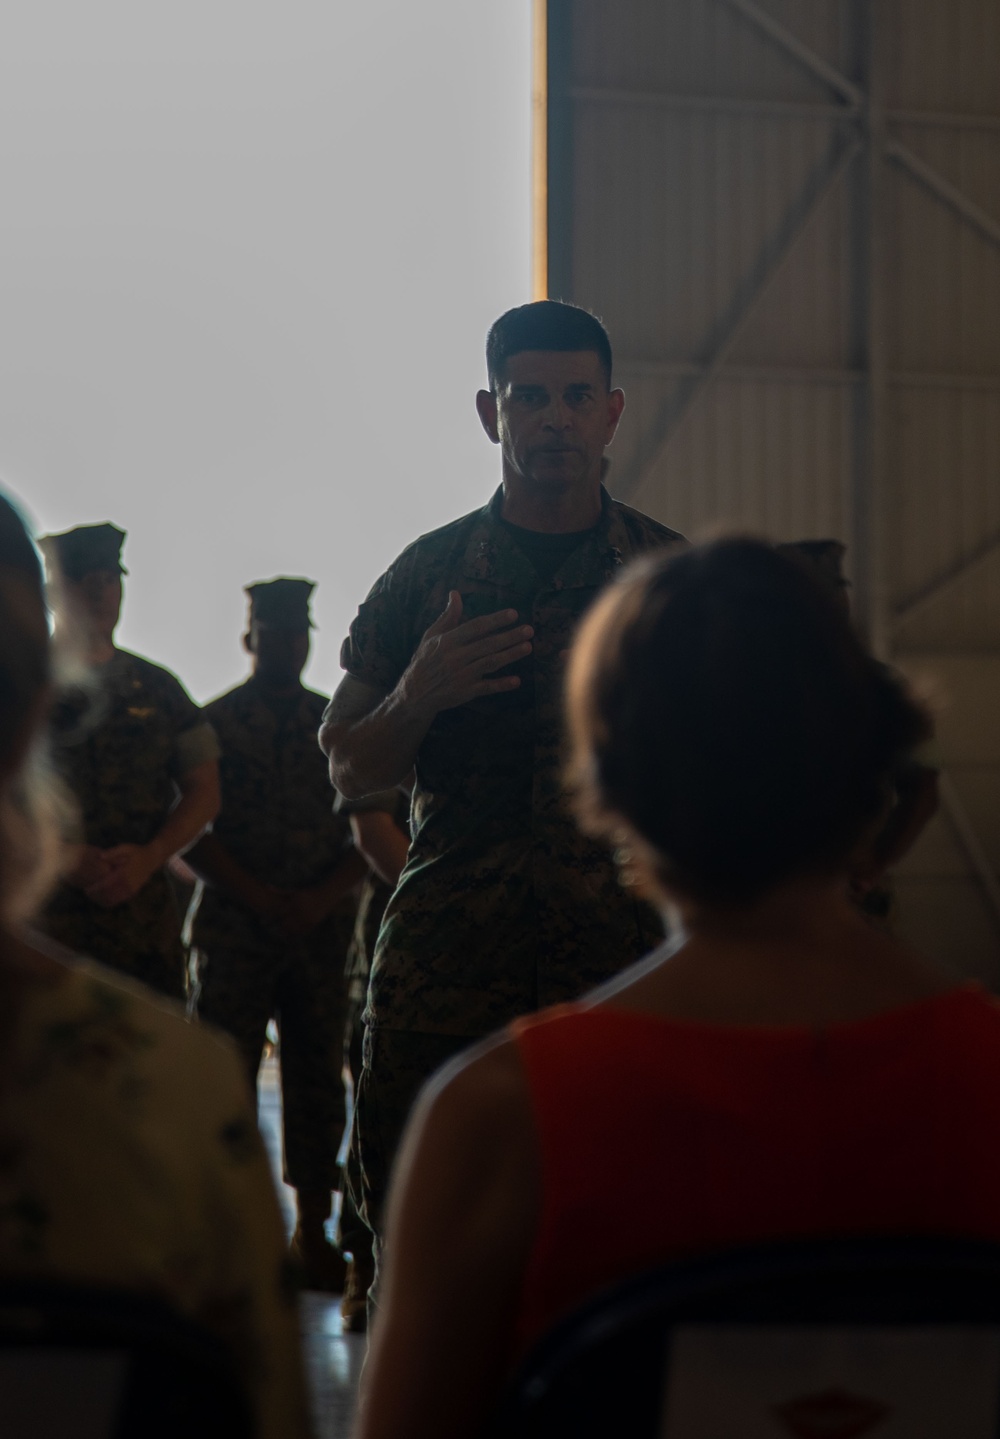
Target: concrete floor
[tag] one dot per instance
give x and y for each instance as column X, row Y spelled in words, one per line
column 333, row 1358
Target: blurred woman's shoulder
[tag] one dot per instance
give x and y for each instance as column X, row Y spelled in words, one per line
column 129, row 1134
column 115, row 1041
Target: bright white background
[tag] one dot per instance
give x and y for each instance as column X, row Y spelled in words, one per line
column 248, row 255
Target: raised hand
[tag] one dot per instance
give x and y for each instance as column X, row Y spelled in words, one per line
column 456, row 661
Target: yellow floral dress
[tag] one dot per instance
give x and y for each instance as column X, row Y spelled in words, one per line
column 129, row 1156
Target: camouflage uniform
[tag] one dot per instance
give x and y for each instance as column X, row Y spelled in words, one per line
column 374, row 895
column 503, row 906
column 120, row 748
column 277, row 822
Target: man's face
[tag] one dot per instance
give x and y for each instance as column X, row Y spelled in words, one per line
column 552, row 416
column 96, row 601
column 279, row 653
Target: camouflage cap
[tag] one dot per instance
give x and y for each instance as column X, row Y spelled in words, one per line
column 85, row 548
column 282, row 602
column 824, row 557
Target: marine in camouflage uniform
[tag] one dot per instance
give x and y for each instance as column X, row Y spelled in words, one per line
column 380, row 826
column 454, row 666
column 373, row 897
column 131, row 746
column 274, row 918
column 540, row 904
column 504, row 906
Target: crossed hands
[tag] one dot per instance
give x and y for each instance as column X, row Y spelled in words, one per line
column 456, row 660
column 110, row 877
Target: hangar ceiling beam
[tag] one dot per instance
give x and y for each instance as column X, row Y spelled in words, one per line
column 944, row 190
column 775, row 109
column 812, row 374
column 806, row 57
column 713, row 104
column 944, row 119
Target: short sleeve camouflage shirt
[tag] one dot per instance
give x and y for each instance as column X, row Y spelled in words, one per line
column 374, row 894
column 503, row 905
column 120, row 748
column 277, row 818
column 120, row 745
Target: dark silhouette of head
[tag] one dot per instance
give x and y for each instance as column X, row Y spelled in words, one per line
column 278, row 628
column 725, row 715
column 85, row 591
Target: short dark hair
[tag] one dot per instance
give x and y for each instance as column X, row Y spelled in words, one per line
column 545, row 325
column 723, row 710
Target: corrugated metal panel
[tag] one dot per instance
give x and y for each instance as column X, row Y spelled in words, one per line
column 944, row 288
column 944, row 55
column 663, row 259
column 941, row 902
column 688, row 47
column 945, row 468
column 943, row 326
column 766, row 458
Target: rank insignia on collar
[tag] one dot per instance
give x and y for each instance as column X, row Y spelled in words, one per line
column 485, row 559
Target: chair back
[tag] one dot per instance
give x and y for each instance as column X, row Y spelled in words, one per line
column 836, row 1339
column 84, row 1363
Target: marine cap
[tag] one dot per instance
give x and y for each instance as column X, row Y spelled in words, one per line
column 85, row 548
column 282, row 602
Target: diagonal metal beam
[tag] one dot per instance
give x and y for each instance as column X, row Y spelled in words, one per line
column 768, row 267
column 983, row 380
column 941, row 584
column 821, row 69
column 944, row 119
column 712, row 105
column 944, row 190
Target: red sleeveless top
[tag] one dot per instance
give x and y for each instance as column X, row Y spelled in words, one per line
column 660, row 1138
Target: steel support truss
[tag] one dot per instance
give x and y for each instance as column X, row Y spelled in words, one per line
column 859, row 120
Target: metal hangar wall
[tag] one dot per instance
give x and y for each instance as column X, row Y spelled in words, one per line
column 788, row 214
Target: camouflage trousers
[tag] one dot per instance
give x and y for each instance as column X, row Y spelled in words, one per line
column 396, row 1065
column 301, row 986
column 141, row 938
column 353, row 1235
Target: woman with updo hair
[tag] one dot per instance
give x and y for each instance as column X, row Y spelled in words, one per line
column 781, row 1070
column 129, row 1152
